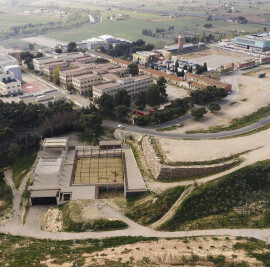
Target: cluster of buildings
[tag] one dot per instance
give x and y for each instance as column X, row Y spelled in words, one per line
column 190, row 80
column 10, row 75
column 46, row 12
column 96, row 42
column 67, row 172
column 165, row 54
column 83, row 73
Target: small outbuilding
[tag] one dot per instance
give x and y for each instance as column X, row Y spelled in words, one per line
column 111, row 144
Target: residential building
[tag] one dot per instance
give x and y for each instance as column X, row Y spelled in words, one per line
column 118, row 71
column 156, row 74
column 144, row 57
column 49, row 67
column 133, row 85
column 84, row 83
column 39, row 62
column 67, row 75
column 8, row 84
column 120, row 62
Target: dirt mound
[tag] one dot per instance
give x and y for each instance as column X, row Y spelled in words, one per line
column 52, row 220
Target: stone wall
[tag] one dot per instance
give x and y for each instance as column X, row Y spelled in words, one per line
column 166, row 172
column 151, row 156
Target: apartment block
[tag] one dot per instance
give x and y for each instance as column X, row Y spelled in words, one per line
column 133, row 85
column 8, row 84
column 67, row 75
column 83, row 83
column 49, row 67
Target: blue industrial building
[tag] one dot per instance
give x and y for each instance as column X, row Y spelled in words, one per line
column 259, row 42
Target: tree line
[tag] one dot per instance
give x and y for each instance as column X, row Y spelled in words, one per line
column 15, row 116
column 126, row 49
column 151, row 33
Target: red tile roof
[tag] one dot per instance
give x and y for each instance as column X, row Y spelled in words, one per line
column 119, row 60
column 165, row 75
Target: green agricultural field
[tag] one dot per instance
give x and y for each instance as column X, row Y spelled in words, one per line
column 8, row 20
column 130, row 29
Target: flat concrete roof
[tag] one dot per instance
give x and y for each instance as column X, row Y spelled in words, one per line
column 134, row 180
column 44, row 193
column 55, row 142
column 110, row 143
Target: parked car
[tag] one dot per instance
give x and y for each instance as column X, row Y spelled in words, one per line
column 120, row 126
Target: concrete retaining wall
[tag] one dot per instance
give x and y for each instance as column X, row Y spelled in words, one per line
column 166, row 172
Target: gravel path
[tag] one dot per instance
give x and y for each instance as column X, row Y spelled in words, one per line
column 32, row 229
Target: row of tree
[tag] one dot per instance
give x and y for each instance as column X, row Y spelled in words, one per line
column 126, row 49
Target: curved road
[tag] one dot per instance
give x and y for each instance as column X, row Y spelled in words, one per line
column 151, row 131
column 32, row 226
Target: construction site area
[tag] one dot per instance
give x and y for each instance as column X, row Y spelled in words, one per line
column 98, row 167
column 65, row 172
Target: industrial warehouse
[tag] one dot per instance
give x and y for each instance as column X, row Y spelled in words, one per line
column 65, row 172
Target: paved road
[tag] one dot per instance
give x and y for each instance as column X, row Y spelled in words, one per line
column 150, row 131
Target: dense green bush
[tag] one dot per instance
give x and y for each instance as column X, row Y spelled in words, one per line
column 247, row 185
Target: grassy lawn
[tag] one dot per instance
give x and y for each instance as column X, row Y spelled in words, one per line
column 5, row 195
column 23, row 166
column 150, row 207
column 240, row 199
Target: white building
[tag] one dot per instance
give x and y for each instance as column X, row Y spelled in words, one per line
column 16, row 69
column 7, row 60
column 8, row 84
column 94, row 43
column 133, row 85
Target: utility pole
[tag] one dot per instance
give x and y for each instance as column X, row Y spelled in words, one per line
column 75, row 251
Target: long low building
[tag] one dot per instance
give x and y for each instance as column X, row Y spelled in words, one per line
column 133, row 85
column 259, row 42
column 65, row 172
column 156, row 74
column 207, row 81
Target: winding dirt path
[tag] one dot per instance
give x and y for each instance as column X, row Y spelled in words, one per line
column 173, row 209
